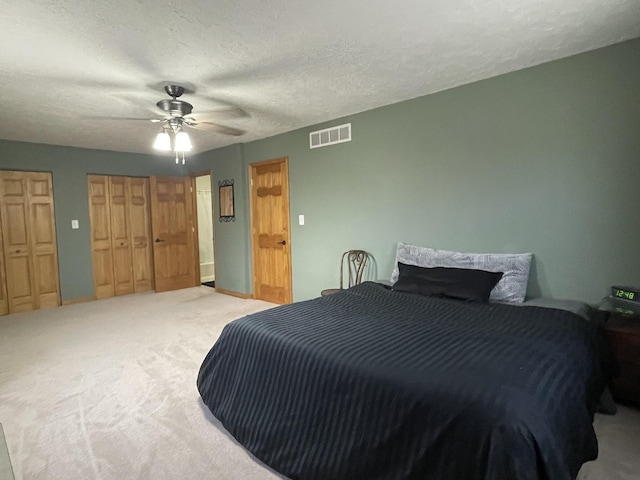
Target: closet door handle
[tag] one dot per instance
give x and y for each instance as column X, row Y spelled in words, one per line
column 158, row 240
column 283, row 242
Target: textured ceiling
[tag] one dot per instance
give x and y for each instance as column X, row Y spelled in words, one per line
column 67, row 67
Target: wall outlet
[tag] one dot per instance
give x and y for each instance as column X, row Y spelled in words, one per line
column 75, row 224
column 300, row 219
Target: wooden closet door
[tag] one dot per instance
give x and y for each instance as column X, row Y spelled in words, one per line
column 4, row 301
column 100, row 215
column 140, row 228
column 18, row 264
column 29, row 238
column 43, row 244
column 120, row 236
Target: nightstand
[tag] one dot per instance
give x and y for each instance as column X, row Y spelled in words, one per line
column 624, row 336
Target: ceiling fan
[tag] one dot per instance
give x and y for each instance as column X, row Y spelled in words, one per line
column 177, row 112
column 176, row 118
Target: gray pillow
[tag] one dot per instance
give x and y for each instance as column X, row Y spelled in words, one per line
column 512, row 288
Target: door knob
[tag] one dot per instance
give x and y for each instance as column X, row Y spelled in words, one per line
column 158, row 240
column 283, row 242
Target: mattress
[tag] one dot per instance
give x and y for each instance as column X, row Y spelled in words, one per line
column 370, row 383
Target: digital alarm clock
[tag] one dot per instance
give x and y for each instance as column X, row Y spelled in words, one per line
column 626, row 293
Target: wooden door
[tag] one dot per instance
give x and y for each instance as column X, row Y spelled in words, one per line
column 15, row 228
column 270, row 237
column 172, row 226
column 140, row 231
column 43, row 239
column 29, row 240
column 102, row 254
column 4, row 301
column 120, row 236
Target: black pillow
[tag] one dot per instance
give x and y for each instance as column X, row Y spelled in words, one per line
column 462, row 283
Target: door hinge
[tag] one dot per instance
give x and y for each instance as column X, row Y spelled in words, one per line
column 252, row 182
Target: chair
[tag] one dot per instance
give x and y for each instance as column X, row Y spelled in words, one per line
column 355, row 262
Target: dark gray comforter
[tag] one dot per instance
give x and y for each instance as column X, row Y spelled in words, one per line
column 375, row 384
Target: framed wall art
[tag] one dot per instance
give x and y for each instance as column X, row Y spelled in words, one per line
column 226, row 201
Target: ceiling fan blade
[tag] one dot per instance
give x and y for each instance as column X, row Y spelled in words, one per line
column 223, row 113
column 155, row 120
column 221, row 129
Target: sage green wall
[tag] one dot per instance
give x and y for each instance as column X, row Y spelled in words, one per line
column 231, row 239
column 69, row 167
column 544, row 160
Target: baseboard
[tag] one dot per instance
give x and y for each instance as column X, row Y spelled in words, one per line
column 73, row 301
column 234, row 294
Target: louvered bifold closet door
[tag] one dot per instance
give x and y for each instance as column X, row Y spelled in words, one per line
column 29, row 240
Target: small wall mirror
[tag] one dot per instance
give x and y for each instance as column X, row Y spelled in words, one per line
column 225, row 189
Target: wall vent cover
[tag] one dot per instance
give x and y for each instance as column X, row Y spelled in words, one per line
column 330, row 136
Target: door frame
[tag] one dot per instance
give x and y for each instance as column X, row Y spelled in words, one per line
column 253, row 238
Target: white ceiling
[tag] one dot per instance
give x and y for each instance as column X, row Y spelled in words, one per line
column 66, row 66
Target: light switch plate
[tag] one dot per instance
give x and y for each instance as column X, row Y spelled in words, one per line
column 75, row 224
column 300, row 219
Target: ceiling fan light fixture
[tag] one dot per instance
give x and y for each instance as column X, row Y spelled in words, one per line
column 163, row 142
column 182, row 142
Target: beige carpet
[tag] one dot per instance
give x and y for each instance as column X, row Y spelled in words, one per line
column 6, row 472
column 106, row 390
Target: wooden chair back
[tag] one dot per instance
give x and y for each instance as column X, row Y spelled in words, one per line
column 355, row 262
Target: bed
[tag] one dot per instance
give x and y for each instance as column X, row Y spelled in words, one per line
column 443, row 376
column 373, row 383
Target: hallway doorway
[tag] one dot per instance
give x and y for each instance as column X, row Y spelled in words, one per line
column 204, row 205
